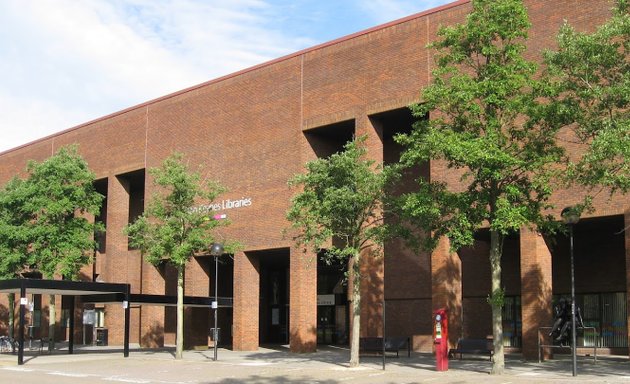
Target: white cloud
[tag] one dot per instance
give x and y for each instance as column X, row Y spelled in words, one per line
column 30, row 119
column 65, row 62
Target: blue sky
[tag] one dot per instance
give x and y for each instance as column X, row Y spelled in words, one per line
column 66, row 62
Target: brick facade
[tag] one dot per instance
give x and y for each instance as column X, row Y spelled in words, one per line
column 253, row 130
column 246, row 302
column 446, row 273
column 303, row 301
column 536, row 289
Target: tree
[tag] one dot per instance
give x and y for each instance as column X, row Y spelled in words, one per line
column 56, row 198
column 13, row 240
column 340, row 206
column 591, row 76
column 172, row 230
column 485, row 125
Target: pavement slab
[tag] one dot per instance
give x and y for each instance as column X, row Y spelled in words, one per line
column 276, row 365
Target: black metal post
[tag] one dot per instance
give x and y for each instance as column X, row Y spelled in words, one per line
column 216, row 250
column 22, row 315
column 216, row 304
column 383, row 334
column 71, row 326
column 126, row 305
column 573, row 329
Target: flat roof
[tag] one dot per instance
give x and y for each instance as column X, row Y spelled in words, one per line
column 95, row 292
column 68, row 288
column 158, row 300
column 62, row 287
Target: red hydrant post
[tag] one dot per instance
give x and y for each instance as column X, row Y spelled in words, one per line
column 440, row 339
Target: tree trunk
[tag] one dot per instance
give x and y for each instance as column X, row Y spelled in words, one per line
column 356, row 310
column 52, row 323
column 12, row 318
column 496, row 301
column 179, row 338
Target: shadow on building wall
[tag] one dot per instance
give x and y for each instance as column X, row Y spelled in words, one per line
column 153, row 337
column 299, row 344
column 536, row 299
column 448, row 279
column 372, row 296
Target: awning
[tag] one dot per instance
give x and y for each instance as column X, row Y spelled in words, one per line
column 22, row 287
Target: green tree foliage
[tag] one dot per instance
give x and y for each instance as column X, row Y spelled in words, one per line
column 485, row 126
column 340, row 208
column 59, row 196
column 591, row 76
column 51, row 208
column 13, row 239
column 13, row 235
column 172, row 229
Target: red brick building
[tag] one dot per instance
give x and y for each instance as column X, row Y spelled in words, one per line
column 253, row 130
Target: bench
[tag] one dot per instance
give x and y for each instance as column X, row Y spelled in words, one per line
column 392, row 344
column 472, row 347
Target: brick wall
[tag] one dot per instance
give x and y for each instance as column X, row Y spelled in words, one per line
column 247, row 132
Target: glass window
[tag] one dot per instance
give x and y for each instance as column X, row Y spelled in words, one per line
column 100, row 317
column 607, row 313
column 512, row 321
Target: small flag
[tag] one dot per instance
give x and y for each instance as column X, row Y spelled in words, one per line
column 220, row 216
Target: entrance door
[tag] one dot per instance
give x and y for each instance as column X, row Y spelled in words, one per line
column 332, row 324
column 277, row 316
column 332, row 302
column 274, row 297
column 326, row 324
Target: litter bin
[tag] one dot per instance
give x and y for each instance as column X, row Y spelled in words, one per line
column 101, row 336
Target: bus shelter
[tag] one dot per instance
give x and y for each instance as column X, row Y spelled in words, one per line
column 109, row 292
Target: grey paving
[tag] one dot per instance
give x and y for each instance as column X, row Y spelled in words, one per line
column 278, row 366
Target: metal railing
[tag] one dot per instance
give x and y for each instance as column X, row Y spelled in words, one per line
column 589, row 340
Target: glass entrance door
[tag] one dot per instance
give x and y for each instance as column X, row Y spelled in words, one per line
column 326, row 324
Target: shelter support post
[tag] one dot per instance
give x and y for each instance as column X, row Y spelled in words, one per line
column 22, row 315
column 71, row 326
column 127, row 315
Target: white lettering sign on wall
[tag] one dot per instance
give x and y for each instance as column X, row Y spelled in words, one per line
column 224, row 205
column 325, row 299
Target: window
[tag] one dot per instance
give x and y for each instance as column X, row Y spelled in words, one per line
column 607, row 313
column 512, row 326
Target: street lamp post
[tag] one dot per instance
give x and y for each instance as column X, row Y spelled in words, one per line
column 216, row 250
column 570, row 216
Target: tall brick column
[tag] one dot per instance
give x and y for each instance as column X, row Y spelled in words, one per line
column 372, row 265
column 536, row 289
column 152, row 318
column 198, row 321
column 303, row 300
column 116, row 266
column 627, row 235
column 446, row 286
column 246, row 302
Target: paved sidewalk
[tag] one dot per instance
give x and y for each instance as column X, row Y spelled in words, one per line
column 278, row 366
